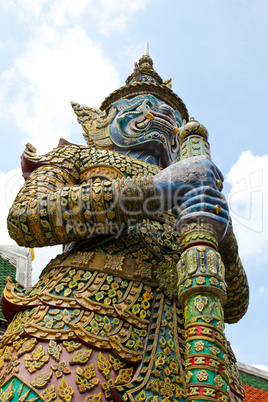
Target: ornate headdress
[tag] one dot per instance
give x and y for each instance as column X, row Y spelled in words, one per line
column 143, row 80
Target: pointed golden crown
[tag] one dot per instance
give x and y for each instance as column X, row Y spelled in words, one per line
column 145, row 80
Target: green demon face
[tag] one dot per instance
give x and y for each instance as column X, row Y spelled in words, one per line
column 148, row 126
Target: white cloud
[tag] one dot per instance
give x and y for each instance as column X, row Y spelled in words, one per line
column 58, row 10
column 247, row 202
column 109, row 15
column 42, row 257
column 25, row 10
column 59, row 63
column 64, row 11
column 115, row 14
column 55, row 69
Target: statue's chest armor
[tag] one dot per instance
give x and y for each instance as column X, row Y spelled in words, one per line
column 111, row 165
column 159, row 236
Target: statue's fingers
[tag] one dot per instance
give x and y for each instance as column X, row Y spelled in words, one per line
column 204, row 199
column 203, row 207
column 199, row 194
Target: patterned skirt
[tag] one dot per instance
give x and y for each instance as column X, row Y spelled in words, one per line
column 96, row 327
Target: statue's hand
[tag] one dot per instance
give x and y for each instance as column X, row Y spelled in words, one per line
column 172, row 183
column 191, row 189
column 204, row 204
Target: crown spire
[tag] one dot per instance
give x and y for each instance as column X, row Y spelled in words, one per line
column 143, row 70
column 146, row 49
column 145, row 80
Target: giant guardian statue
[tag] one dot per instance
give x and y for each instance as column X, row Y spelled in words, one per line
column 134, row 307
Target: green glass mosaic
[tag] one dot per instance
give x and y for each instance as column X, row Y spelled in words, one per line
column 254, row 381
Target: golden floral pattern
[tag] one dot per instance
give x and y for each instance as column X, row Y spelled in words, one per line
column 41, row 380
column 36, row 360
column 25, row 346
column 81, row 357
column 71, row 345
column 104, row 365
column 49, row 394
column 86, row 378
column 54, row 349
column 60, row 369
column 93, row 398
column 65, row 391
column 107, row 387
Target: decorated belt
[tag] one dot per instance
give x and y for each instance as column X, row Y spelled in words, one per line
column 125, row 267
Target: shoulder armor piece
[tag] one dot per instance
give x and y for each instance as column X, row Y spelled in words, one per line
column 65, row 156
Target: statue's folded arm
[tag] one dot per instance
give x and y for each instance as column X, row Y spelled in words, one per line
column 53, row 207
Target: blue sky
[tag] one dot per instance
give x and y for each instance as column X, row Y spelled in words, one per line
column 55, row 51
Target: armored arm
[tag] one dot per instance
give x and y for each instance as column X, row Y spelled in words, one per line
column 58, row 204
column 54, row 208
column 31, row 221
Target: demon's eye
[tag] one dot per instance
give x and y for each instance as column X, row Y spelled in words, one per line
column 144, row 108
